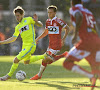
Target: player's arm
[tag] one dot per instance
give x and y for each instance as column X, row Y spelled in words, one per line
column 66, row 28
column 37, row 23
column 45, row 33
column 78, row 18
column 9, row 40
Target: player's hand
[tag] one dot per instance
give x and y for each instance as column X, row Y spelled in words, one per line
column 35, row 17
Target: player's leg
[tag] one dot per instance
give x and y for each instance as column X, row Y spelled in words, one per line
column 69, row 65
column 42, row 68
column 34, row 58
column 37, row 57
column 76, row 55
column 12, row 70
column 56, row 57
column 30, row 59
column 50, row 60
column 94, row 61
column 46, row 61
column 23, row 54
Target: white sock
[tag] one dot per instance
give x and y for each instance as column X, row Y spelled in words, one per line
column 41, row 70
column 76, row 69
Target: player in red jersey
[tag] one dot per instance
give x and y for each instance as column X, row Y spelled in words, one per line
column 89, row 45
column 53, row 29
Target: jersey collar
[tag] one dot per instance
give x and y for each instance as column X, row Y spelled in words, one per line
column 78, row 5
column 22, row 20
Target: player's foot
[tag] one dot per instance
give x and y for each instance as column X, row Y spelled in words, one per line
column 93, row 81
column 36, row 77
column 4, row 78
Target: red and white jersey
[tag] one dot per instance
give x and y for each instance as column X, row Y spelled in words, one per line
column 54, row 27
column 87, row 32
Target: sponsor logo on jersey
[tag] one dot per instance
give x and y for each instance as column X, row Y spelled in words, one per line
column 53, row 29
column 24, row 28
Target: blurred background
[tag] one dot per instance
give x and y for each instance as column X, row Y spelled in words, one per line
column 8, row 22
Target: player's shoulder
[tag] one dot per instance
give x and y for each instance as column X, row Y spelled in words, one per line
column 58, row 19
column 47, row 20
column 73, row 9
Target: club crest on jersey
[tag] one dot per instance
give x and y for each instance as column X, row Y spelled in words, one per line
column 25, row 21
column 24, row 28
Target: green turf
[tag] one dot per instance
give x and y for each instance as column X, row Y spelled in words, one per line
column 55, row 76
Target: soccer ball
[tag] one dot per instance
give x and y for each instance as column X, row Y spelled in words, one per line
column 20, row 75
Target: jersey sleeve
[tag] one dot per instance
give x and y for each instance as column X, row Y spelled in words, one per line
column 61, row 23
column 16, row 33
column 73, row 11
column 72, row 14
column 32, row 20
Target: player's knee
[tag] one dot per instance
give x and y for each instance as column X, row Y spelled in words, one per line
column 47, row 60
column 16, row 60
column 26, row 62
column 68, row 64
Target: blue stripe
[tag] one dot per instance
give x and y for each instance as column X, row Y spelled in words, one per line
column 33, row 35
column 27, row 52
column 14, row 36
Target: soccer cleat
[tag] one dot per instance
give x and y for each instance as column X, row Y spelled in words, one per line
column 36, row 77
column 93, row 81
column 4, row 78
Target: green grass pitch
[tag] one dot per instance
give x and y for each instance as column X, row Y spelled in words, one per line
column 55, row 76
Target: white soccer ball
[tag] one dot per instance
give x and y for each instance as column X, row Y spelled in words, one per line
column 20, row 75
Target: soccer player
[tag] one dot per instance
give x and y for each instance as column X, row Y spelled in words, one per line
column 26, row 29
column 89, row 44
column 53, row 29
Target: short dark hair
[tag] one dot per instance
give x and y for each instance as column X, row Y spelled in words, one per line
column 76, row 2
column 52, row 7
column 19, row 9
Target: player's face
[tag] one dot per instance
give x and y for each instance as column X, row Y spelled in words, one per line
column 18, row 16
column 51, row 13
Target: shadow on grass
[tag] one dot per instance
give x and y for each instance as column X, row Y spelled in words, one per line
column 52, row 71
column 61, row 87
column 57, row 86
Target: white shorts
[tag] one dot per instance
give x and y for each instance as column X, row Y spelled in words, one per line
column 77, row 54
column 52, row 51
